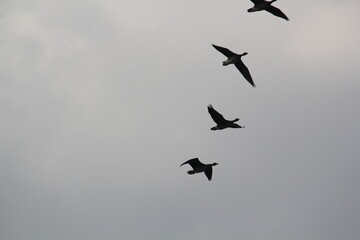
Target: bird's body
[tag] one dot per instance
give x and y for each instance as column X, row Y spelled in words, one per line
column 199, row 167
column 229, row 124
column 233, row 58
column 221, row 122
column 260, row 5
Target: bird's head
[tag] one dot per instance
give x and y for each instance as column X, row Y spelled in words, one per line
column 245, row 53
column 214, row 164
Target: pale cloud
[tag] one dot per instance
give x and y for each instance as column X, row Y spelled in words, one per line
column 102, row 101
column 327, row 38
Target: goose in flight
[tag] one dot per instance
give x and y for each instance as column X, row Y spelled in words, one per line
column 260, row 5
column 221, row 122
column 200, row 167
column 235, row 59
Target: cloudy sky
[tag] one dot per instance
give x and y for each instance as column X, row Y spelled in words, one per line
column 101, row 101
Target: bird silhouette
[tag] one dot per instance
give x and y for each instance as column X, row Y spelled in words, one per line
column 200, row 167
column 235, row 59
column 260, row 5
column 221, row 122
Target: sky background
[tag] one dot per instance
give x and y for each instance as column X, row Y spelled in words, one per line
column 101, row 101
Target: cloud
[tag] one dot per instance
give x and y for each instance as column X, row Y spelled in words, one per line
column 101, row 102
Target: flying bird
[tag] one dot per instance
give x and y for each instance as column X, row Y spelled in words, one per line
column 221, row 122
column 200, row 167
column 235, row 59
column 260, row 5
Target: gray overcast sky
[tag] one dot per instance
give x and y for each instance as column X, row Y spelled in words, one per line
column 101, row 101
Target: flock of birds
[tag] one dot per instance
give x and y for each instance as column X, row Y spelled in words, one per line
column 232, row 58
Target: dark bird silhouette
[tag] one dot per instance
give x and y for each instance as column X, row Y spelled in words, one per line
column 200, row 167
column 260, row 5
column 221, row 122
column 235, row 59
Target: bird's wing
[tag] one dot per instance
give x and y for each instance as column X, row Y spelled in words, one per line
column 277, row 12
column 245, row 72
column 257, row 1
column 194, row 163
column 217, row 117
column 208, row 173
column 224, row 51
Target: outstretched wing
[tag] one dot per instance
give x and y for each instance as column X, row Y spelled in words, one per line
column 245, row 72
column 224, row 51
column 277, row 12
column 194, row 163
column 217, row 117
column 208, row 173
